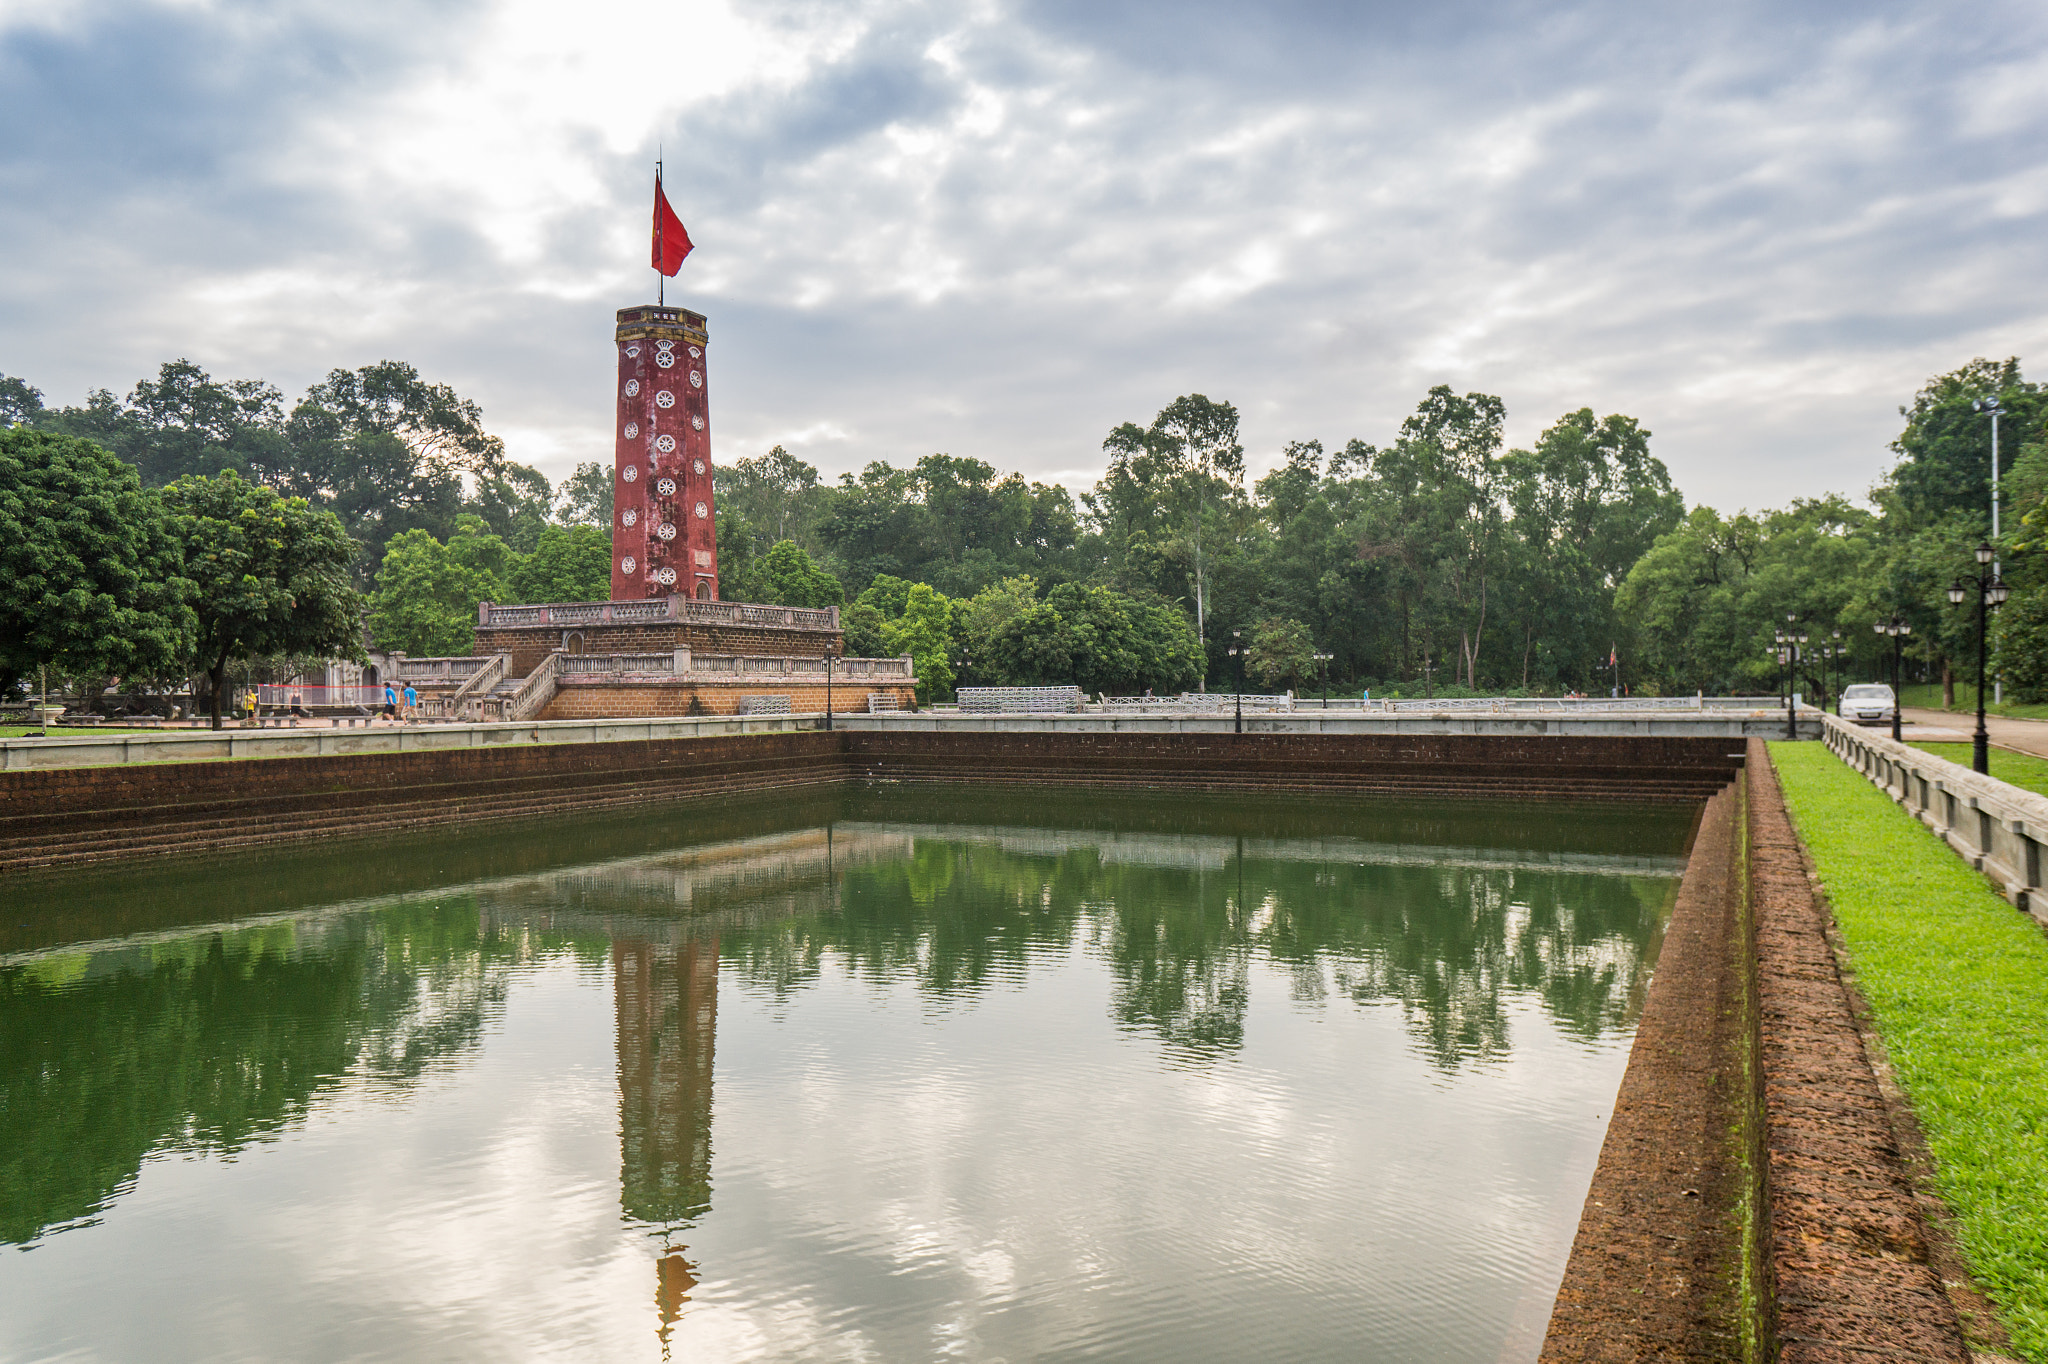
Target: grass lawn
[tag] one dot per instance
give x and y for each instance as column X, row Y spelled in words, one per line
column 2023, row 770
column 1959, row 983
column 1928, row 696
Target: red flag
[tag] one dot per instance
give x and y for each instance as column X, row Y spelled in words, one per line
column 671, row 242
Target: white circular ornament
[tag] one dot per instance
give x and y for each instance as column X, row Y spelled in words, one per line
column 628, row 564
column 628, row 517
column 698, row 465
column 632, row 351
column 630, row 472
column 665, row 531
column 696, row 379
column 633, row 389
column 665, row 443
column 667, row 487
column 665, row 359
column 696, row 423
column 664, row 399
column 632, row 430
column 664, row 576
column 703, row 510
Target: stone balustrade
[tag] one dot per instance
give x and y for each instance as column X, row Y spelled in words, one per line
column 1995, row 826
column 685, row 664
column 659, row 610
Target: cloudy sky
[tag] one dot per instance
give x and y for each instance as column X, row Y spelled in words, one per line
column 998, row 229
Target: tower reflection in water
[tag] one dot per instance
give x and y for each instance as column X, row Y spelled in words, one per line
column 667, row 1002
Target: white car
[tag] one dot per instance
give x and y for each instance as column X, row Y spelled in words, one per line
column 1867, row 703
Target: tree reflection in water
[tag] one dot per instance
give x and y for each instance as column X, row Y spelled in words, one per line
column 206, row 1040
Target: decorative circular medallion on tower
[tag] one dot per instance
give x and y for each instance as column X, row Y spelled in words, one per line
column 697, row 466
column 627, row 565
column 630, row 472
column 667, row 487
column 665, row 576
column 628, row 517
column 633, row 389
column 665, row 531
column 696, row 379
column 632, row 430
column 665, row 444
column 697, row 424
column 665, row 359
column 703, row 510
column 664, row 399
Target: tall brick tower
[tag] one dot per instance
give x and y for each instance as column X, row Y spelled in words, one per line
column 664, row 522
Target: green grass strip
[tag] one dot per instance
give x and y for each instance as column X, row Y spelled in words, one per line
column 1958, row 981
column 1928, row 696
column 2023, row 770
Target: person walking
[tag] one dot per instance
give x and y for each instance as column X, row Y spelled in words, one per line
column 390, row 701
column 412, row 701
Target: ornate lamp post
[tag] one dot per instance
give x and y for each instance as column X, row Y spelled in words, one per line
column 1991, row 593
column 1237, row 651
column 1897, row 628
column 1323, row 675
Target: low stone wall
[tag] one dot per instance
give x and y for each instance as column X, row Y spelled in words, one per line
column 1995, row 826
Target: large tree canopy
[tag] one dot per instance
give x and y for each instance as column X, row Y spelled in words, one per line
column 270, row 573
column 92, row 576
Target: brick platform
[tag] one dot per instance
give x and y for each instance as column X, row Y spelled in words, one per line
column 529, row 644
column 609, row 698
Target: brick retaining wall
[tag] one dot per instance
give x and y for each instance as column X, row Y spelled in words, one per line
column 95, row 813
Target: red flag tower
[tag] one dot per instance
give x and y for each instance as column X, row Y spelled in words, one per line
column 664, row 521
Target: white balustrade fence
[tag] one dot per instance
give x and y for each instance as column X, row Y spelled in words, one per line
column 1995, row 826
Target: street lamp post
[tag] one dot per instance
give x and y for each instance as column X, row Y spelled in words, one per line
column 1323, row 675
column 1237, row 652
column 1991, row 593
column 828, row 691
column 1897, row 628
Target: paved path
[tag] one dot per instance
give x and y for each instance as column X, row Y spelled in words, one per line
column 2022, row 736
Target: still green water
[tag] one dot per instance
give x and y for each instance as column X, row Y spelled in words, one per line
column 871, row 1075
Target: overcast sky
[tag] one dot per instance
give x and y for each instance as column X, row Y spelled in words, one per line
column 1000, row 229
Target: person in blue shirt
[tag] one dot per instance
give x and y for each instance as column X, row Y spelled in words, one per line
column 390, row 702
column 412, row 701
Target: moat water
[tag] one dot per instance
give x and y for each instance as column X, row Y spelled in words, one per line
column 865, row 1076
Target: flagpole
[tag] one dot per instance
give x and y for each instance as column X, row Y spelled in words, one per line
column 660, row 280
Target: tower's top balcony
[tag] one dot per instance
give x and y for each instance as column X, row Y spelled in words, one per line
column 650, row 319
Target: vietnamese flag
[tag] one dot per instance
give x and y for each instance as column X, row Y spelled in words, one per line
column 671, row 242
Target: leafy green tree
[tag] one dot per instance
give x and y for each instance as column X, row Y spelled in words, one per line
column 427, row 592
column 514, row 501
column 1945, row 450
column 861, row 625
column 20, row 404
column 778, row 493
column 270, row 573
column 924, row 631
column 1280, row 653
column 184, row 422
column 787, row 577
column 586, row 497
column 1169, row 483
column 888, row 595
column 92, row 574
column 570, row 563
